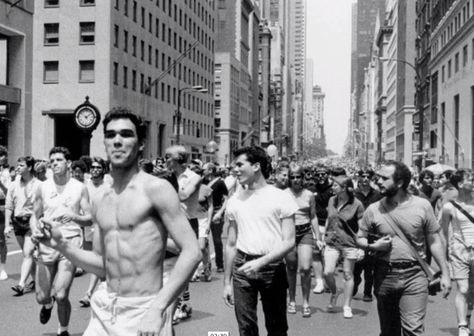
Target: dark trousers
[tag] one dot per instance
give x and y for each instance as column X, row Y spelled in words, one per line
column 366, row 265
column 271, row 283
column 216, row 229
column 402, row 296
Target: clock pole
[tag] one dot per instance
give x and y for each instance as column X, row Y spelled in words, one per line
column 86, row 118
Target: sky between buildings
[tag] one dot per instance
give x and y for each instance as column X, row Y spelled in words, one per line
column 328, row 43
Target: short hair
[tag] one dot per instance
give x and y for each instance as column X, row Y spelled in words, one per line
column 366, row 171
column 125, row 113
column 401, row 174
column 61, row 150
column 457, row 177
column 183, row 155
column 3, row 151
column 338, row 171
column 425, row 172
column 99, row 160
column 41, row 165
column 29, row 160
column 79, row 164
column 346, row 182
column 256, row 154
column 211, row 167
column 87, row 160
column 146, row 165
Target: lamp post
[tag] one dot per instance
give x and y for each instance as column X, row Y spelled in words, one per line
column 197, row 88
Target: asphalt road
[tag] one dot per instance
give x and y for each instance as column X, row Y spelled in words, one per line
column 19, row 315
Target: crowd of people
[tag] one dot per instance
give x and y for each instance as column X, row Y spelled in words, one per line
column 142, row 239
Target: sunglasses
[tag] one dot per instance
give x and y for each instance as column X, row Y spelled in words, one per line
column 96, row 167
column 294, row 177
column 122, row 133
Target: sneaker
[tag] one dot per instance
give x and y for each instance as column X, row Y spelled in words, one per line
column 79, row 272
column 30, row 287
column 85, row 301
column 463, row 331
column 319, row 288
column 185, row 312
column 206, row 274
column 367, row 298
column 306, row 312
column 220, row 269
column 347, row 312
column 331, row 307
column 19, row 290
column 45, row 313
column 292, row 308
column 3, row 275
column 64, row 333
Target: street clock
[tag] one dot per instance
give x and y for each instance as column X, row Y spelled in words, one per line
column 86, row 116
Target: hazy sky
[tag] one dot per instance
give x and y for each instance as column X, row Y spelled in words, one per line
column 329, row 45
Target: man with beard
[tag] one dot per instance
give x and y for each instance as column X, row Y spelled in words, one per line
column 322, row 196
column 401, row 285
column 367, row 195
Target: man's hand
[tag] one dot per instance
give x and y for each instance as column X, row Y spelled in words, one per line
column 445, row 285
column 49, row 234
column 217, row 216
column 151, row 324
column 8, row 229
column 251, row 266
column 228, row 295
column 383, row 244
column 320, row 244
column 65, row 218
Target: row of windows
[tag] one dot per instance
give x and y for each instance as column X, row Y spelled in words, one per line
column 448, row 68
column 55, row 3
column 86, row 33
column 453, row 27
column 180, row 44
column 51, row 72
column 137, row 81
column 178, row 16
column 197, row 129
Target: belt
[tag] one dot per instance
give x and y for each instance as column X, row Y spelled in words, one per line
column 398, row 264
column 247, row 256
column 303, row 227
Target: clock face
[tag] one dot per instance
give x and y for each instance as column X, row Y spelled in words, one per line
column 86, row 117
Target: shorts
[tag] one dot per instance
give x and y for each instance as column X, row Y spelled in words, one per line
column 204, row 228
column 350, row 253
column 461, row 260
column 21, row 225
column 49, row 256
column 121, row 316
column 304, row 235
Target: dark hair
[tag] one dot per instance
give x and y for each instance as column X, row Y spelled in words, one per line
column 366, row 171
column 61, row 150
column 79, row 164
column 401, row 174
column 125, row 113
column 348, row 184
column 146, row 165
column 457, row 177
column 30, row 162
column 448, row 173
column 87, row 160
column 256, row 154
column 100, row 161
column 338, row 171
column 3, row 151
column 425, row 172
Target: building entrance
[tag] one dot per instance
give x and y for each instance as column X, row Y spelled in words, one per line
column 68, row 135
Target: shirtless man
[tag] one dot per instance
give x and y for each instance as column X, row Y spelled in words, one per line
column 65, row 201
column 134, row 219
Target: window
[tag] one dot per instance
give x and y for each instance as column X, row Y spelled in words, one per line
column 134, row 11
column 51, row 34
column 125, row 7
column 115, row 73
column 86, row 71
column 87, row 33
column 157, row 56
column 134, row 80
column 125, row 41
column 456, row 62
column 157, row 28
column 51, row 72
column 150, row 54
column 116, row 36
column 87, row 3
column 150, row 23
column 125, row 77
column 449, row 69
column 51, row 3
column 143, row 17
column 142, row 83
column 464, row 56
column 142, row 50
column 134, row 45
column 442, row 73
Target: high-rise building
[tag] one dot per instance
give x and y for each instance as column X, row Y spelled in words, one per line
column 237, row 91
column 16, row 59
column 264, row 57
column 150, row 56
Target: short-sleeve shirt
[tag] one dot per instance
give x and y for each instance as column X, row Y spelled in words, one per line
column 343, row 223
column 219, row 190
column 20, row 197
column 415, row 217
column 372, row 197
column 303, row 199
column 258, row 214
column 433, row 198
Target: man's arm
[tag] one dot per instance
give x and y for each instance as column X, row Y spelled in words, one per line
column 165, row 200
column 230, row 253
column 9, row 207
column 445, row 220
column 437, row 249
column 190, row 188
column 221, row 211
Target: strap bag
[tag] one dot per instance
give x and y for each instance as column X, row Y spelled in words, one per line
column 434, row 278
column 465, row 213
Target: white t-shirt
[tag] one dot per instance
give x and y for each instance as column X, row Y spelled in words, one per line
column 258, row 214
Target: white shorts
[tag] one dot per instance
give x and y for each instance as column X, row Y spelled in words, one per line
column 204, row 227
column 113, row 315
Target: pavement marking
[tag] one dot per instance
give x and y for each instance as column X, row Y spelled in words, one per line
column 14, row 252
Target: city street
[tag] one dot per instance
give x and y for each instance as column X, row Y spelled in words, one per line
column 19, row 315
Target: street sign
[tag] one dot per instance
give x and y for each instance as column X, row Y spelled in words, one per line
column 419, row 153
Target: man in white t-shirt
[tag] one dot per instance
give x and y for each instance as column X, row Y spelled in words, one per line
column 261, row 232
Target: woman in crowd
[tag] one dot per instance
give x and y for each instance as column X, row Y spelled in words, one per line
column 344, row 215
column 306, row 230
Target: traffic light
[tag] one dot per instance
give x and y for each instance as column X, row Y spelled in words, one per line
column 416, row 127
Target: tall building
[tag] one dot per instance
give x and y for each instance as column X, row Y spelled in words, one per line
column 264, row 58
column 364, row 21
column 16, row 59
column 452, row 82
column 149, row 56
column 237, row 91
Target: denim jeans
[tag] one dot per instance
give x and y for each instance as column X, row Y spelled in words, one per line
column 271, row 283
column 402, row 296
column 216, row 229
column 366, row 265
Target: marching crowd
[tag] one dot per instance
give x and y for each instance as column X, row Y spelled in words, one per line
column 142, row 238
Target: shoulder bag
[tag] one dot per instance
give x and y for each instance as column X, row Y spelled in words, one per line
column 465, row 213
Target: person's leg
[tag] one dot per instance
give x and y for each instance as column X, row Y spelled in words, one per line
column 62, row 285
column 460, row 301
column 388, row 297
column 27, row 264
column 3, row 247
column 245, row 303
column 358, row 268
column 291, row 269
column 305, row 255
column 318, row 267
column 369, row 264
column 216, row 229
column 44, row 278
column 348, row 267
column 273, row 295
column 331, row 255
column 413, row 302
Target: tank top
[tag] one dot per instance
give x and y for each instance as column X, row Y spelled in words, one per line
column 303, row 214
